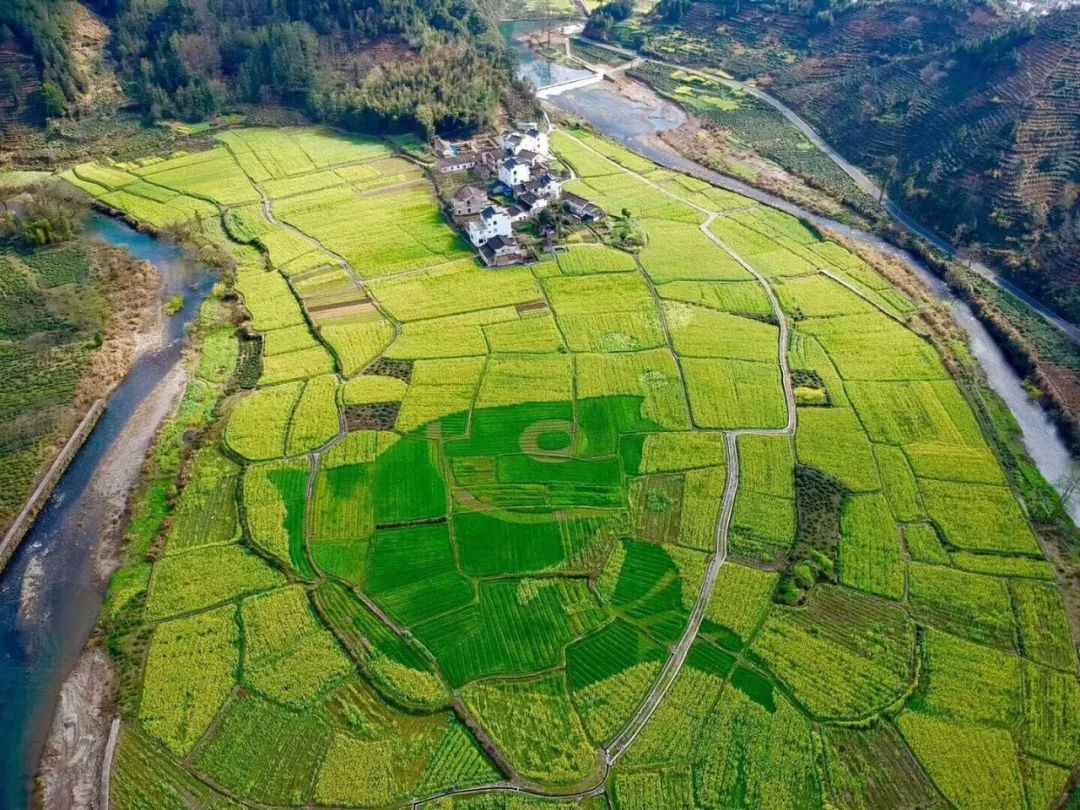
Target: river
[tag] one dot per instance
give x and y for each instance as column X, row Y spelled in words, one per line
column 635, row 124
column 49, row 593
column 533, row 67
column 41, row 637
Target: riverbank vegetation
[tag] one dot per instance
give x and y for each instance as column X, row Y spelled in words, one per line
column 744, row 122
column 965, row 113
column 71, row 313
column 466, row 561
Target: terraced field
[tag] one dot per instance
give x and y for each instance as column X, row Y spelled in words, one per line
column 704, row 526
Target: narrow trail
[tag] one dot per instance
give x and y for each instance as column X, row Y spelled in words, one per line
column 674, row 664
column 342, row 262
column 315, row 456
column 731, row 488
column 345, row 264
column 861, row 179
column 603, row 70
column 669, row 341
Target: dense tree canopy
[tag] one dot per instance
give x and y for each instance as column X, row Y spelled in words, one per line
column 191, row 58
column 38, row 26
column 603, row 18
column 187, row 57
column 451, row 86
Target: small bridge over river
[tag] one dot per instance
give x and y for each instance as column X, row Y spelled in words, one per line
column 573, row 84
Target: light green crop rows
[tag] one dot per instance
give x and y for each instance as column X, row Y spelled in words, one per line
column 453, row 526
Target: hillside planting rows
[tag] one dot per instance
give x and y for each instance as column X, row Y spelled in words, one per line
column 967, row 114
column 703, row 526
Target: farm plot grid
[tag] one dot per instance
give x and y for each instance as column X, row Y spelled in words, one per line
column 704, row 526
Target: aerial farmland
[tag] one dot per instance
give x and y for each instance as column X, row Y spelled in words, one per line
column 708, row 523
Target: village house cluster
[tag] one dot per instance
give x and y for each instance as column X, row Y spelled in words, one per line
column 515, row 167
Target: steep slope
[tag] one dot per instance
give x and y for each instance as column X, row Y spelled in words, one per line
column 406, row 64
column 971, row 118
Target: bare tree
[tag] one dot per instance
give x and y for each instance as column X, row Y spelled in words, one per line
column 7, row 194
column 1068, row 485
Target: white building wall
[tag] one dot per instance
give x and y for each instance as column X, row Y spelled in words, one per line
column 483, row 229
column 515, row 175
column 501, row 224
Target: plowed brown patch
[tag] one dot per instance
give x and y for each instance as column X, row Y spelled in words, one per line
column 330, row 311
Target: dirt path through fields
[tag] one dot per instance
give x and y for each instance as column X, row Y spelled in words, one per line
column 864, row 182
column 674, row 663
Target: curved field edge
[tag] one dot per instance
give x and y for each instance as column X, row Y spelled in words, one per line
column 807, row 671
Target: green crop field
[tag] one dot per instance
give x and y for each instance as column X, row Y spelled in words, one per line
column 467, row 527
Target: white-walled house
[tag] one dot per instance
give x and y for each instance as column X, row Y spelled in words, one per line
column 530, row 140
column 546, row 185
column 535, row 195
column 452, row 164
column 492, row 221
column 512, row 172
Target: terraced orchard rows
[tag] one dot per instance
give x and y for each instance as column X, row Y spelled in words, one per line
column 458, row 531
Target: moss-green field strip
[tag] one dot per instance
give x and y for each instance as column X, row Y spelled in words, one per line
column 459, row 525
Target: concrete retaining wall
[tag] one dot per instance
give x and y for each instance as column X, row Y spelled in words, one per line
column 48, row 483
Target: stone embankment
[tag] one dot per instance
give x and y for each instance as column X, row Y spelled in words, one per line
column 47, row 484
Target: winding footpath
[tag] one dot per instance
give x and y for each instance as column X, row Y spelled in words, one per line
column 674, row 663
column 653, row 700
column 857, row 175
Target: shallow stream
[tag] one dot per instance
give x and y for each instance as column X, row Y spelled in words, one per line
column 50, row 593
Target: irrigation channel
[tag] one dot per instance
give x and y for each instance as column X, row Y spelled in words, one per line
column 51, row 591
column 635, row 123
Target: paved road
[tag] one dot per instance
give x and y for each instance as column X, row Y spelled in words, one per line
column 857, row 175
column 868, row 185
column 988, row 273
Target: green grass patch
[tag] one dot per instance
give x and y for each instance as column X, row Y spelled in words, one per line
column 972, row 606
column 517, row 627
column 266, row 751
column 535, row 725
column 843, row 655
column 871, row 559
column 190, row 670
column 413, row 574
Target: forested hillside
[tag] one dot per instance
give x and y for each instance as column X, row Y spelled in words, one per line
column 396, row 64
column 36, row 64
column 971, row 117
